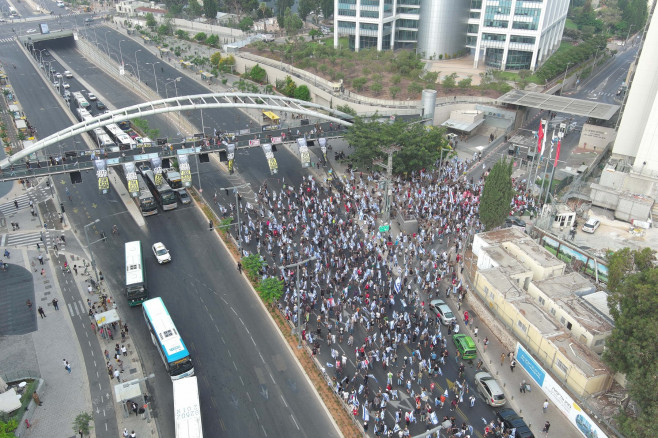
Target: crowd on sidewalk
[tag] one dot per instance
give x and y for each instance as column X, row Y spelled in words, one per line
column 369, row 293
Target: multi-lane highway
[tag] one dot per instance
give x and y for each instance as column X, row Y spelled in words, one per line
column 250, row 385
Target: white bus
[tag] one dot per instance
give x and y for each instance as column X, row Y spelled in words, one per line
column 102, row 139
column 162, row 192
column 145, row 201
column 187, row 408
column 79, row 100
column 136, row 291
column 165, row 337
column 121, row 139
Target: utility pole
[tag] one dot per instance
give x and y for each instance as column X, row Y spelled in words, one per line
column 237, row 209
column 386, row 210
column 299, row 296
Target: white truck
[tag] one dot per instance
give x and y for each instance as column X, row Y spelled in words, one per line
column 187, row 409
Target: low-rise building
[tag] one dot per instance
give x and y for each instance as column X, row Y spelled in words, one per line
column 527, row 289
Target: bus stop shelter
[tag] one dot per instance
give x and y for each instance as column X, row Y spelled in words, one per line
column 107, row 318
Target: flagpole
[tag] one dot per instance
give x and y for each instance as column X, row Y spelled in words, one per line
column 548, row 189
column 540, row 153
column 543, row 177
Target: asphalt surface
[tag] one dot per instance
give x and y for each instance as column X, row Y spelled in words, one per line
column 252, row 391
column 249, row 385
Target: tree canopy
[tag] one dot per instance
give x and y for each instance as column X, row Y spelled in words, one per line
column 632, row 348
column 497, row 195
column 420, row 147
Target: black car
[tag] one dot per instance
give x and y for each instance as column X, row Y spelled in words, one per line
column 510, row 420
column 100, row 105
column 514, row 220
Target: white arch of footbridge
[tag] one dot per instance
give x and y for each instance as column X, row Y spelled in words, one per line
column 186, row 103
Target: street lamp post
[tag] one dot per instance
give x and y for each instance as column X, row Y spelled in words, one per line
column 120, row 52
column 174, row 81
column 237, row 209
column 139, row 79
column 107, row 46
column 299, row 296
column 91, row 253
column 155, row 78
column 565, row 77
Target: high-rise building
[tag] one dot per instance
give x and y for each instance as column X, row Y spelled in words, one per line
column 515, row 34
column 505, row 34
column 636, row 140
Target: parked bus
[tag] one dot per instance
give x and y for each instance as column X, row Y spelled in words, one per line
column 145, row 201
column 79, row 100
column 187, row 409
column 102, row 139
column 136, row 291
column 121, row 139
column 164, row 194
column 165, row 337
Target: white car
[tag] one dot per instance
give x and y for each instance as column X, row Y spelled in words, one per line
column 161, row 253
column 66, row 85
column 68, row 74
column 591, row 225
column 58, row 75
column 31, row 31
column 91, row 96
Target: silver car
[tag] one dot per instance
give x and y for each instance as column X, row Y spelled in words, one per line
column 442, row 311
column 490, row 389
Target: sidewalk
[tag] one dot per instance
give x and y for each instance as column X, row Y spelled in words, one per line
column 130, row 367
column 40, row 352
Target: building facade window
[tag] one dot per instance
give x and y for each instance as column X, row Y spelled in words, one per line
column 369, row 14
column 541, row 300
column 493, row 37
column 521, row 39
column 561, row 366
column 518, row 60
column 522, row 326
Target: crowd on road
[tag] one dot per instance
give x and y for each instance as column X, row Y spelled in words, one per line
column 364, row 294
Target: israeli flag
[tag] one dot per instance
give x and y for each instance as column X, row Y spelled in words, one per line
column 366, row 414
column 398, row 285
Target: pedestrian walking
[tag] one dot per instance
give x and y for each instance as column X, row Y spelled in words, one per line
column 472, row 400
column 125, row 433
column 42, row 314
column 40, row 259
column 545, row 406
column 55, row 303
column 522, row 388
column 512, row 364
column 547, row 426
column 16, row 203
column 475, row 332
column 43, row 272
column 486, row 343
column 502, row 359
column 67, row 365
column 36, row 398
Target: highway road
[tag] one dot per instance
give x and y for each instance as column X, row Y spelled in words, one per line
column 250, row 386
